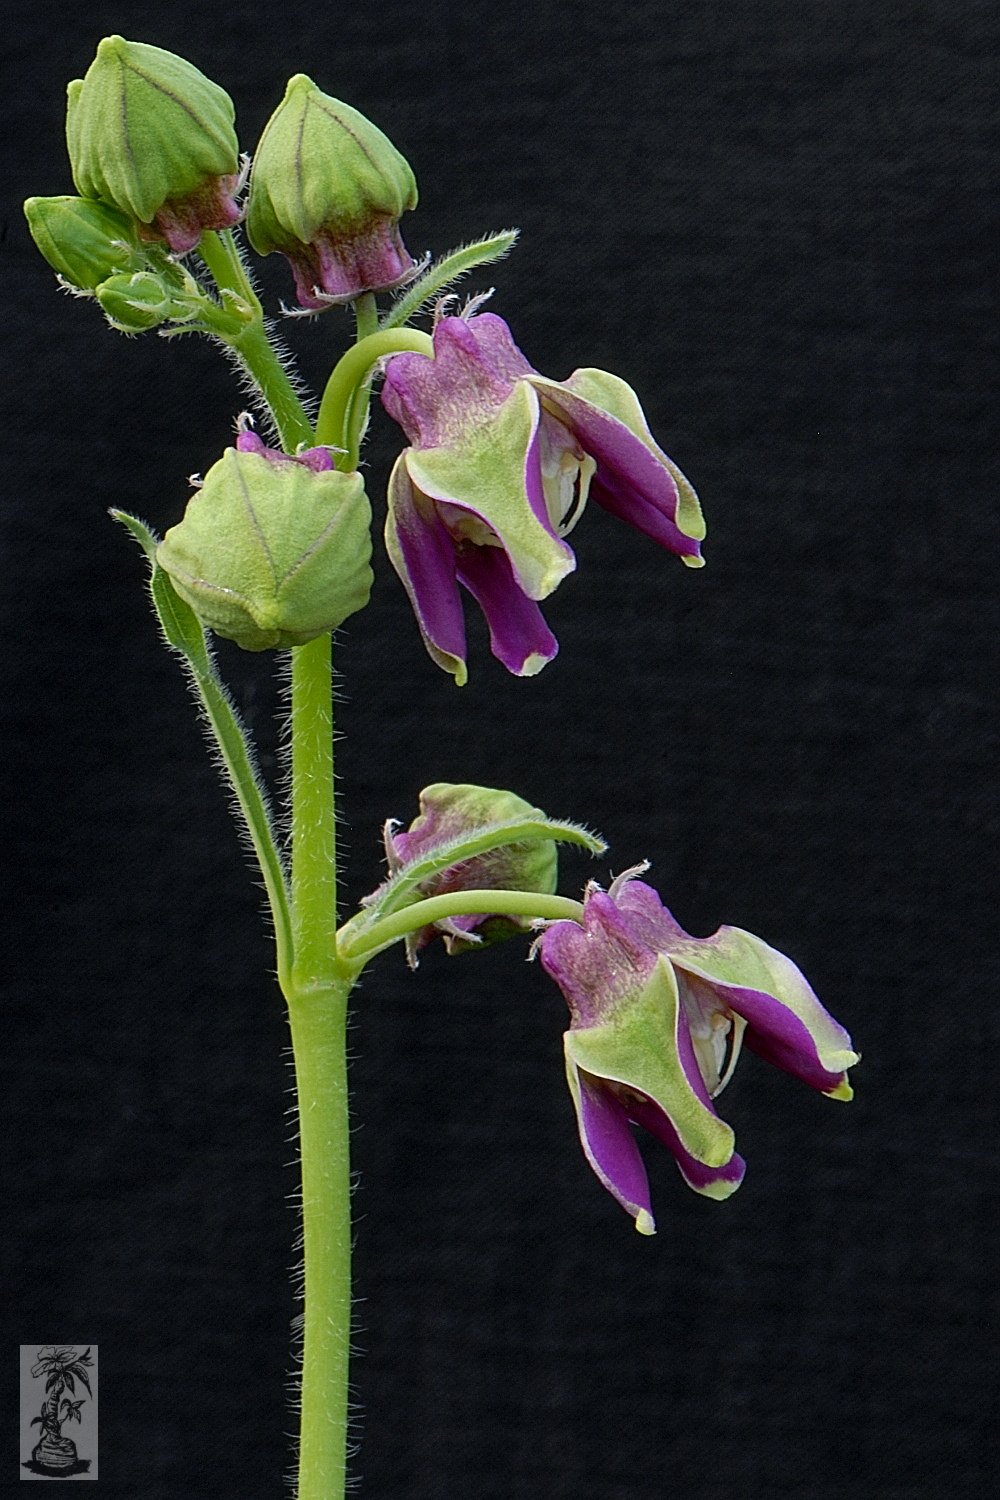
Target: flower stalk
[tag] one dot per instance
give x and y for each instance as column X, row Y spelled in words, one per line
column 365, row 942
column 351, row 373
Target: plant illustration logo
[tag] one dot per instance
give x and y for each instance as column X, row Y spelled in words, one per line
column 68, row 1385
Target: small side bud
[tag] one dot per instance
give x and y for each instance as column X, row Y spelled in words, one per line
column 152, row 135
column 449, row 815
column 327, row 191
column 272, row 550
column 134, row 304
column 84, row 241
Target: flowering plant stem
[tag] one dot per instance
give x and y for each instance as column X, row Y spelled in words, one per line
column 316, row 984
column 317, row 967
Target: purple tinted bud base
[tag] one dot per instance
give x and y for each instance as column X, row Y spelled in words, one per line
column 336, row 269
column 181, row 221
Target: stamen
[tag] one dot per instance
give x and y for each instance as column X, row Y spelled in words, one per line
column 626, row 875
column 392, row 859
column 441, row 306
column 473, row 304
column 585, row 468
column 735, row 1043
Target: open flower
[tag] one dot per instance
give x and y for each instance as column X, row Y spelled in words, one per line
column 500, row 466
column 657, row 1021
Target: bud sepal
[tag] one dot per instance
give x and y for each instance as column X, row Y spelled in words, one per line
column 83, row 241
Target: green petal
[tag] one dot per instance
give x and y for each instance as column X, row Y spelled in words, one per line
column 640, row 1048
column 490, row 473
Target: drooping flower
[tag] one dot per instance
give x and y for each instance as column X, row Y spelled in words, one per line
column 327, row 190
column 657, row 1021
column 500, row 465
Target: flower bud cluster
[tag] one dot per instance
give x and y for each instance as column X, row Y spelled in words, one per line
column 156, row 162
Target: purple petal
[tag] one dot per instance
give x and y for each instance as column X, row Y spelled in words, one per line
column 648, row 915
column 519, row 636
column 715, row 1182
column 320, row 460
column 475, row 367
column 782, row 1039
column 423, row 555
column 622, row 496
column 631, row 482
column 599, row 964
column 688, row 1056
column 610, row 1147
column 211, row 206
column 786, row 1024
column 341, row 266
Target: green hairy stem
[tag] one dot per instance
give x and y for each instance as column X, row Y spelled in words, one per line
column 371, row 940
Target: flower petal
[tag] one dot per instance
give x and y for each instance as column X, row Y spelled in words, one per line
column 438, row 401
column 423, row 555
column 494, row 476
column 786, row 1024
column 609, row 1145
column 635, row 479
column 519, row 636
column 713, row 1182
column 646, row 1047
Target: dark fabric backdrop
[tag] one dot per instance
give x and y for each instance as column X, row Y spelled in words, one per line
column 775, row 220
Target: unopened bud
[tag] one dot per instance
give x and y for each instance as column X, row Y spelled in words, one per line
column 133, row 304
column 84, row 241
column 151, row 134
column 327, row 190
column 450, row 813
column 272, row 550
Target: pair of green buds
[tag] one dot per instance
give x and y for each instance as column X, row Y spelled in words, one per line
column 156, row 161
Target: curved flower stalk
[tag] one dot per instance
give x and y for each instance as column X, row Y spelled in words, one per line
column 466, row 839
column 447, row 814
column 500, row 466
column 657, row 1021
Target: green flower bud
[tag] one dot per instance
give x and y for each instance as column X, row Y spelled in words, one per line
column 272, row 550
column 133, row 304
column 151, row 134
column 327, row 190
column 84, row 241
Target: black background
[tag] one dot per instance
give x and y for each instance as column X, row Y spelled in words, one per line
column 775, row 220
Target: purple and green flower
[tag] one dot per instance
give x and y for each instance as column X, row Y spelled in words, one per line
column 657, row 1020
column 500, row 465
